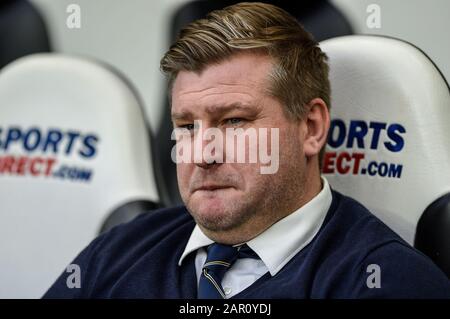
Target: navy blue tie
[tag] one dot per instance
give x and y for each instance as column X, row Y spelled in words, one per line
column 219, row 259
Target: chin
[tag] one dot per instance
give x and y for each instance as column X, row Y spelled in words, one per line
column 214, row 212
column 215, row 200
column 208, row 205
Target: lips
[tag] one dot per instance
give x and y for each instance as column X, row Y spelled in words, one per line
column 211, row 187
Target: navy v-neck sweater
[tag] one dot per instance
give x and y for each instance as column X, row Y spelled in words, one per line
column 140, row 260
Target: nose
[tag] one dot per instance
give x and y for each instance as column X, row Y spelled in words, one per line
column 208, row 146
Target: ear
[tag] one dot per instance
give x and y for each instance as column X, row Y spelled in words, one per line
column 317, row 122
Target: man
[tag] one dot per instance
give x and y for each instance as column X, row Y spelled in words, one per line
column 246, row 232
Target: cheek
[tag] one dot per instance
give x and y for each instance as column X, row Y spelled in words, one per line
column 184, row 172
column 290, row 139
column 250, row 176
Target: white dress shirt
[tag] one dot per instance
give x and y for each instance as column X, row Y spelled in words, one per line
column 276, row 246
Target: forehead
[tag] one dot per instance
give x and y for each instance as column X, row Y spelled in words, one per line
column 242, row 78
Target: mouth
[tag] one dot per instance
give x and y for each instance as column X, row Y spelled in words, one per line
column 212, row 187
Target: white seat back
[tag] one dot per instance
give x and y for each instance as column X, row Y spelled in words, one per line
column 74, row 146
column 389, row 142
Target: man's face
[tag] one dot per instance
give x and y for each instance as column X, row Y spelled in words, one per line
column 233, row 94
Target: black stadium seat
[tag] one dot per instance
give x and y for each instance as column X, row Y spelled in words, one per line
column 22, row 31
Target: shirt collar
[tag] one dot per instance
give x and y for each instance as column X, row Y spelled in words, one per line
column 197, row 240
column 289, row 235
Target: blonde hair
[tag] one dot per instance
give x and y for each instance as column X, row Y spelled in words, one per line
column 300, row 69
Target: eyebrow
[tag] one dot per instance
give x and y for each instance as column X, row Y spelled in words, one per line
column 215, row 109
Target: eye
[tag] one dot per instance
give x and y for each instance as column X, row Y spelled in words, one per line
column 189, row 127
column 234, row 120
